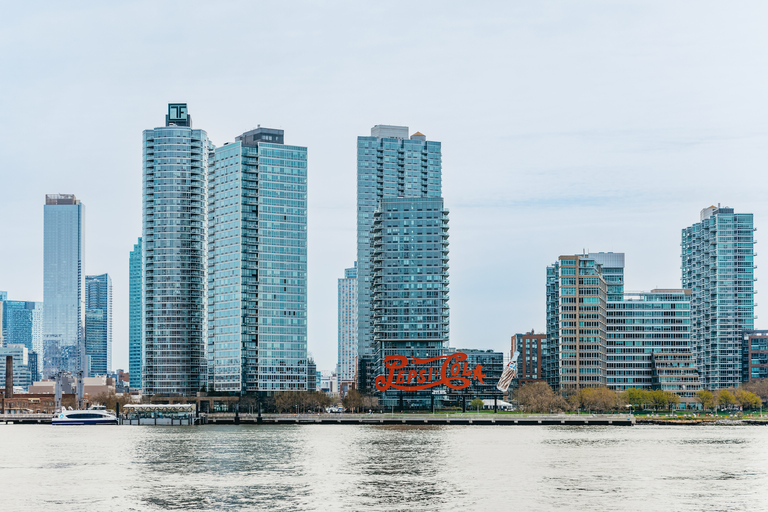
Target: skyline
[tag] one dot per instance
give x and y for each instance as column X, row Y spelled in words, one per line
column 658, row 126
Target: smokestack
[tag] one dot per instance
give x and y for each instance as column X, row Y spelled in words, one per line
column 8, row 376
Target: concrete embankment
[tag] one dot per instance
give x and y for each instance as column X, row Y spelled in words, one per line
column 369, row 419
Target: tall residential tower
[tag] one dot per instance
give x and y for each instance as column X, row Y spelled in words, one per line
column 718, row 267
column 175, row 197
column 390, row 164
column 347, row 325
column 134, row 315
column 257, row 265
column 98, row 324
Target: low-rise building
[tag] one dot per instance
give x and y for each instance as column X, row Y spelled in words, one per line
column 531, row 347
column 676, row 372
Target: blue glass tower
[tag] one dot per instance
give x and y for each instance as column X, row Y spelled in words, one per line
column 718, row 267
column 23, row 324
column 409, row 285
column 389, row 165
column 134, row 316
column 174, row 230
column 98, row 324
column 63, row 283
column 257, row 265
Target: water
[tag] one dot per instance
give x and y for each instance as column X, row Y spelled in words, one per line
column 329, row 467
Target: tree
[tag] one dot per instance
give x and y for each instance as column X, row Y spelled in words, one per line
column 757, row 386
column 597, row 399
column 352, row 400
column 539, row 397
column 286, row 401
column 725, row 398
column 672, row 399
column 706, row 398
column 635, row 396
column 747, row 399
column 109, row 399
column 659, row 399
column 476, row 404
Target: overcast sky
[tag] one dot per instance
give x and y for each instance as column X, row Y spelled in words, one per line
column 566, row 126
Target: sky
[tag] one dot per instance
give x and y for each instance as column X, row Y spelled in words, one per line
column 565, row 127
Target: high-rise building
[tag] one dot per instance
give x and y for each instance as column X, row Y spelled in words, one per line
column 134, row 316
column 3, row 298
column 174, row 231
column 98, row 324
column 257, row 265
column 389, row 165
column 23, row 324
column 718, row 268
column 63, row 283
column 347, row 325
column 409, row 285
column 576, row 305
column 23, row 375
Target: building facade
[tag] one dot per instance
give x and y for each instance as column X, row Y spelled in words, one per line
column 409, row 285
column 347, row 325
column 644, row 324
column 98, row 324
column 492, row 364
column 23, row 375
column 134, row 316
column 63, row 283
column 23, row 324
column 174, row 231
column 257, row 265
column 718, row 268
column 390, row 164
column 755, row 355
column 532, row 348
column 578, row 343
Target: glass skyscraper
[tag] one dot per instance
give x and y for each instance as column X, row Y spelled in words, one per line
column 389, row 165
column 23, row 324
column 718, row 267
column 134, row 316
column 98, row 324
column 175, row 197
column 63, row 283
column 257, row 265
column 347, row 325
column 409, row 286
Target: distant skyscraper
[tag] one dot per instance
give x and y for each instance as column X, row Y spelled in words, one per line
column 347, row 325
column 718, row 268
column 409, row 285
column 389, row 165
column 175, row 200
column 134, row 316
column 23, row 324
column 257, row 265
column 98, row 324
column 3, row 298
column 63, row 283
column 23, row 375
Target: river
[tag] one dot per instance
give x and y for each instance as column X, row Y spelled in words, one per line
column 329, row 467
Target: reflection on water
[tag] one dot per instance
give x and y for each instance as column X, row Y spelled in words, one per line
column 330, row 467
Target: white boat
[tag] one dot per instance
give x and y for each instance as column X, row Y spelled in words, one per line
column 96, row 415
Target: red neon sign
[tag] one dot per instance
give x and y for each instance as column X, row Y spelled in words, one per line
column 451, row 373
